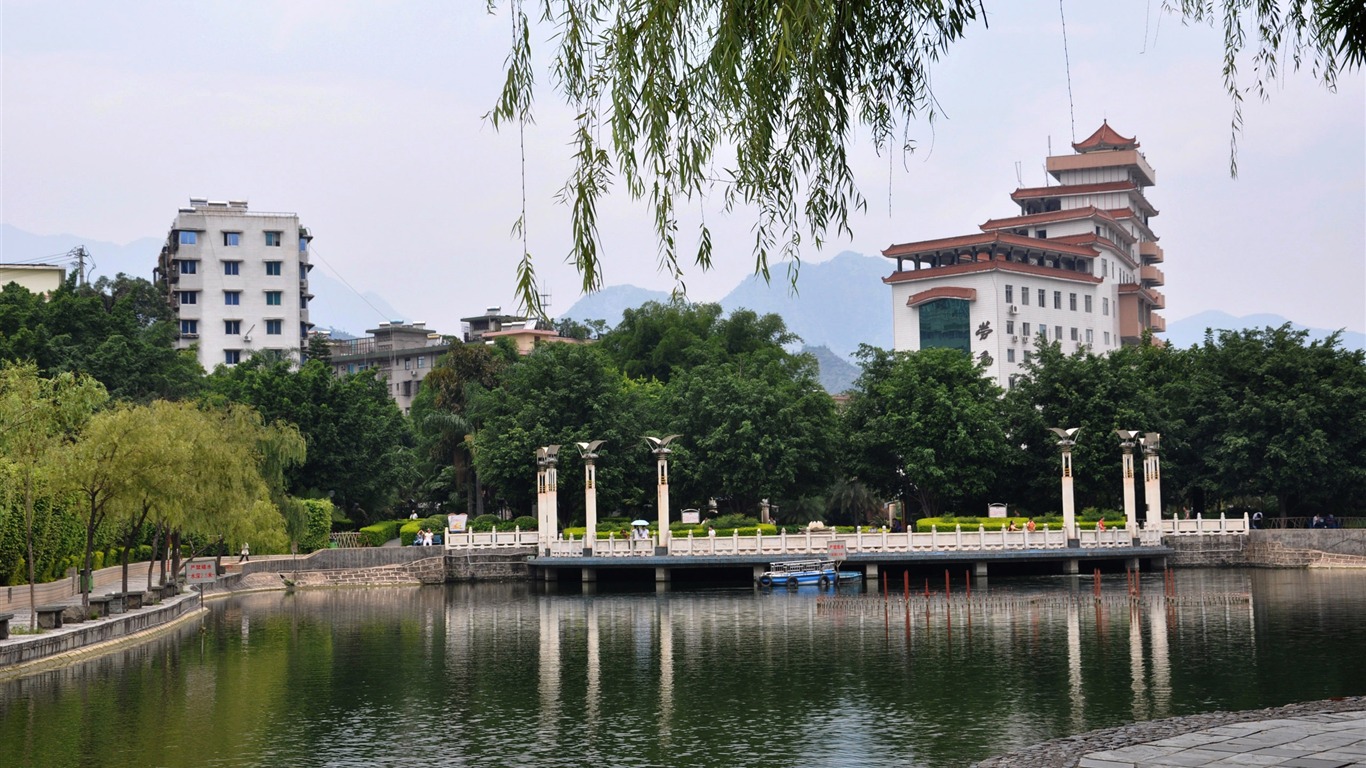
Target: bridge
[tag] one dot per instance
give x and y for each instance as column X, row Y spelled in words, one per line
column 868, row 550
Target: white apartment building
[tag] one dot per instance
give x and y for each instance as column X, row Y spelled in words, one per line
column 238, row 280
column 1076, row 266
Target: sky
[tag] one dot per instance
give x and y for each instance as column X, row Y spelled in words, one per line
column 368, row 120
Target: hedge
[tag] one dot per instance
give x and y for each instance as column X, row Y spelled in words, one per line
column 377, row 534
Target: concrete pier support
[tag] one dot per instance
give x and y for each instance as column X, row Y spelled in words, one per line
column 979, row 570
column 870, row 573
column 588, row 575
column 663, row 576
column 758, row 571
column 550, row 575
column 1071, row 567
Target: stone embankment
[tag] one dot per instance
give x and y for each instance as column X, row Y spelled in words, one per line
column 1313, row 548
column 1067, row 752
column 379, row 566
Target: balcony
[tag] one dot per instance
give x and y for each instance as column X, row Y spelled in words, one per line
column 1157, row 322
column 1159, row 301
column 1151, row 275
column 1150, row 251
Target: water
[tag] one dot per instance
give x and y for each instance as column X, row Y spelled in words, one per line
column 507, row 675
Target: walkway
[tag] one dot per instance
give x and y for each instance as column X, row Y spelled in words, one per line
column 1327, row 740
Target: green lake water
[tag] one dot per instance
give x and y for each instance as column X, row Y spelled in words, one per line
column 515, row 675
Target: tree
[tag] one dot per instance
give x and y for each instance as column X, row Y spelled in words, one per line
column 440, row 414
column 927, row 426
column 562, row 394
column 1273, row 415
column 662, row 89
column 356, row 436
column 120, row 332
column 37, row 417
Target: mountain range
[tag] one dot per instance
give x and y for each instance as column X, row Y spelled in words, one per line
column 834, row 306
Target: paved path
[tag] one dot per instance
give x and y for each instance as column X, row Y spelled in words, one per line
column 1327, row 740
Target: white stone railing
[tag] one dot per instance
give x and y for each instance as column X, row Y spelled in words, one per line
column 489, row 539
column 1198, row 526
column 860, row 542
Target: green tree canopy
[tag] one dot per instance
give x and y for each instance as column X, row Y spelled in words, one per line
column 927, row 426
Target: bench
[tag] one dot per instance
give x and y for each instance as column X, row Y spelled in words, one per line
column 50, row 616
column 131, row 600
column 100, row 604
column 4, row 625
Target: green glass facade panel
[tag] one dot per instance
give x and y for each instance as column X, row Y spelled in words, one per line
column 944, row 325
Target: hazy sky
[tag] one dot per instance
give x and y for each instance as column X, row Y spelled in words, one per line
column 366, row 119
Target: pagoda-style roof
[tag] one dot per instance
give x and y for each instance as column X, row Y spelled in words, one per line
column 996, row 265
column 1105, row 139
column 1077, row 190
column 985, row 242
column 1052, row 217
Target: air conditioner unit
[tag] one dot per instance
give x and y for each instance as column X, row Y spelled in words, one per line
column 413, row 374
column 1013, row 309
column 1014, row 339
column 247, row 338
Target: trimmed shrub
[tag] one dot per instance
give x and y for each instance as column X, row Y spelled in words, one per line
column 377, row 534
column 484, row 523
column 317, row 524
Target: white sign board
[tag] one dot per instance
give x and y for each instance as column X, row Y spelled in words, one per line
column 200, row 572
column 836, row 550
column 692, row 516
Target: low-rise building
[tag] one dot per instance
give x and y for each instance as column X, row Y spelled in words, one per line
column 403, row 354
column 38, row 278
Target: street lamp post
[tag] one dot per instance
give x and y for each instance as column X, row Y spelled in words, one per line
column 1126, row 443
column 1067, row 439
column 547, row 485
column 590, row 493
column 1152, row 480
column 659, row 446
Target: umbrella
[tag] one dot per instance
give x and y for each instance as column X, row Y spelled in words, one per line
column 640, row 522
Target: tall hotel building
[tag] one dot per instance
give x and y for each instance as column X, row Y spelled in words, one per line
column 1076, row 266
column 238, row 281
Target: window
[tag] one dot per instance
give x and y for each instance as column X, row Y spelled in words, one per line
column 273, row 268
column 1043, row 331
column 1074, row 334
column 232, row 327
column 1107, row 338
column 188, row 237
column 1057, row 333
column 232, row 298
column 1024, row 329
column 1010, row 355
column 1010, row 327
column 944, row 325
column 1057, row 299
column 187, row 267
column 189, row 327
column 232, row 356
column 408, row 388
column 1088, row 303
column 1105, row 307
column 273, row 239
column 1043, row 298
column 1024, row 295
column 273, row 327
column 1104, row 267
column 273, row 298
column 303, row 245
column 1090, row 336
column 1072, row 301
column 232, row 238
column 189, row 297
column 421, row 361
column 1043, row 233
column 232, row 267
column 1010, row 294
column 1028, row 356
column 407, row 363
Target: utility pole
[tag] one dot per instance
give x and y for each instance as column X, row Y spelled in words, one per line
column 80, row 262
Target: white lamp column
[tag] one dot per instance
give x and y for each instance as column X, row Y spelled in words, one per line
column 1126, row 443
column 1066, row 439
column 590, row 493
column 660, row 447
column 1152, row 480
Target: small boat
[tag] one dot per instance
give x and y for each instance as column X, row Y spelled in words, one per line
column 797, row 573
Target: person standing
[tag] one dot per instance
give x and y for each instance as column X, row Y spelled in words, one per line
column 245, row 554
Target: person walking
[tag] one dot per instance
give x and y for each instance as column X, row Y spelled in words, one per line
column 245, row 554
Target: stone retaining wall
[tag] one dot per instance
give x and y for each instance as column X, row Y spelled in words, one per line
column 347, row 568
column 1330, row 548
column 33, row 647
column 490, row 565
